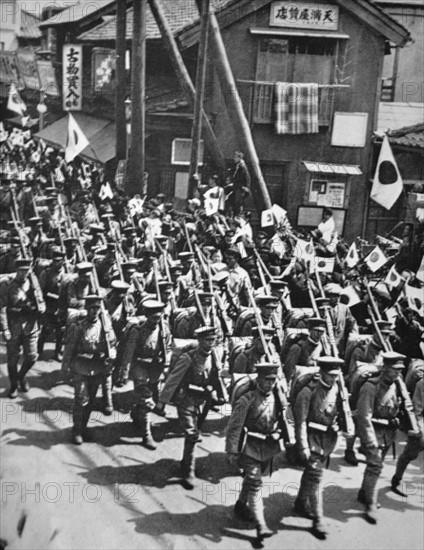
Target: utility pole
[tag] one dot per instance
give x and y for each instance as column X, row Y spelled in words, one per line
column 196, row 131
column 185, row 81
column 135, row 169
column 120, row 123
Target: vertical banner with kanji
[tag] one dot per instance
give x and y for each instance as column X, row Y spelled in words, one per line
column 72, row 77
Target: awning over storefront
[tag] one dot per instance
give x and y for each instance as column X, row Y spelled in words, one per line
column 99, row 132
column 329, row 168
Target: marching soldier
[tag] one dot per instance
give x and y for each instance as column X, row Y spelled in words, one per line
column 252, row 441
column 88, row 358
column 376, row 415
column 20, row 326
column 188, row 386
column 267, row 305
column 315, row 412
column 306, row 352
column 415, row 443
column 144, row 358
column 246, row 361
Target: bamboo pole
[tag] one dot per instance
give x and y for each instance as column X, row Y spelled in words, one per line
column 120, row 122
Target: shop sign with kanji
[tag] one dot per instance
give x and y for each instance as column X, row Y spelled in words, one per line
column 72, row 77
column 304, row 15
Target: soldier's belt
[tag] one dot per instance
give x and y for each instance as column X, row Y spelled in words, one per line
column 322, row 427
column 385, row 422
column 197, row 390
column 21, row 311
column 91, row 356
column 263, row 437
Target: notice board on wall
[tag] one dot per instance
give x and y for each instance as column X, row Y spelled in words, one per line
column 349, row 129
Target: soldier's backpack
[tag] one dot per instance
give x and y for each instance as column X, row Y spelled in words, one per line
column 41, row 264
column 179, row 316
column 247, row 315
column 62, row 303
column 298, row 315
column 181, row 345
column 361, row 342
column 5, row 280
column 302, row 377
column 236, row 345
column 243, row 383
column 364, row 372
column 414, row 374
column 292, row 336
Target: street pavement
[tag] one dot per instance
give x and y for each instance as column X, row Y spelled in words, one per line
column 113, row 493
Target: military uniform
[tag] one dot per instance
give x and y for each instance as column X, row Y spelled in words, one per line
column 20, row 317
column 315, row 415
column 376, row 416
column 86, row 359
column 253, row 435
column 188, row 386
column 144, row 358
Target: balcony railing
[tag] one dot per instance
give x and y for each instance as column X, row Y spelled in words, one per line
column 258, row 101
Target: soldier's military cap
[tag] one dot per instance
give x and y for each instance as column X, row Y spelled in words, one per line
column 393, row 359
column 205, row 295
column 266, row 369
column 230, row 233
column 220, row 278
column 152, row 306
column 23, row 264
column 70, row 240
column 130, row 265
column 331, row 365
column 130, row 231
column 184, row 256
column 110, row 247
column 277, row 285
column 92, row 300
column 107, row 215
column 162, row 239
column 51, row 190
column 233, row 252
column 205, row 332
column 119, row 286
column 58, row 254
column 333, row 288
column 84, row 267
column 176, row 267
column 96, row 228
column 321, row 302
column 315, row 323
column 266, row 300
column 267, row 332
column 385, row 327
column 262, row 235
column 165, row 285
column 150, row 253
column 35, row 221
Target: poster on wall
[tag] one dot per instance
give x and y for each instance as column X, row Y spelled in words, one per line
column 333, row 196
column 304, row 15
column 47, row 78
column 72, row 77
column 9, row 69
column 103, row 64
column 28, row 68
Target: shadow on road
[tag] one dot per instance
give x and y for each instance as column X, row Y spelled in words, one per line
column 36, row 438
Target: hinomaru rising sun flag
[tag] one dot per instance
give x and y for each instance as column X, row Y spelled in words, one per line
column 388, row 184
column 76, row 141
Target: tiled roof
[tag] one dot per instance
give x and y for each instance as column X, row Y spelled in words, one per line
column 409, row 136
column 179, row 13
column 392, row 116
column 29, row 26
column 76, row 12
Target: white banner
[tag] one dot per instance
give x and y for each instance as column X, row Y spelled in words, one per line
column 72, row 77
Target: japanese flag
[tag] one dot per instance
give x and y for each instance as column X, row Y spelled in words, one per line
column 352, row 257
column 277, row 246
column 415, row 298
column 387, row 185
column 106, row 191
column 375, row 259
column 267, row 218
column 15, row 103
column 323, row 265
column 76, row 142
column 393, row 279
column 242, row 250
column 353, row 296
column 304, row 250
column 211, row 206
column 279, row 213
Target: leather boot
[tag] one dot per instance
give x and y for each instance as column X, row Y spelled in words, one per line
column 58, row 345
column 41, row 341
column 12, row 371
column 85, row 418
column 301, row 504
column 107, row 396
column 188, row 465
column 148, row 440
column 77, row 428
column 25, row 368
